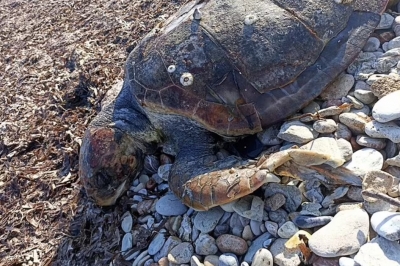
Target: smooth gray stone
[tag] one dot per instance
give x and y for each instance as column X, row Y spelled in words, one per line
column 228, row 259
column 292, row 194
column 379, row 252
column 170, row 205
column 387, row 224
column 343, row 236
column 256, row 245
column 206, row 221
column 311, row 221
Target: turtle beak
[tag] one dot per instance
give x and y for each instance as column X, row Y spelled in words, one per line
column 108, row 163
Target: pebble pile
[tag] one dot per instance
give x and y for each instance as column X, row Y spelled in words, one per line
column 342, row 212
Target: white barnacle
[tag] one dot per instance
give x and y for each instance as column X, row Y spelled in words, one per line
column 343, row 1
column 250, row 19
column 197, row 14
column 171, row 69
column 186, row 79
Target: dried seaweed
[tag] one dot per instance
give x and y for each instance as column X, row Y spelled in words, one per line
column 58, row 59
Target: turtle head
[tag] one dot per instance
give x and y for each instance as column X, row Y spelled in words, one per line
column 109, row 160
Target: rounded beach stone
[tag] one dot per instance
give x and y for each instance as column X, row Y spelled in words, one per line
column 345, row 149
column 325, row 126
column 345, row 261
column 170, row 205
column 292, row 194
column 391, row 149
column 163, row 261
column 250, row 207
column 297, row 132
column 211, row 260
column 127, row 242
column 387, row 108
column 312, row 107
column 247, row 234
column 386, row 224
column 228, row 259
column 365, row 96
column 344, row 235
column 364, row 111
column 205, row 245
column 379, row 205
column 396, row 23
column 379, row 252
column 354, row 193
column 371, row 45
column 377, row 144
column 127, row 221
column 231, row 244
column 386, row 22
column 181, row 253
column 275, row 202
column 164, row 170
column 304, row 221
column 287, row 230
column 207, row 221
column 282, row 256
column 310, row 208
column 228, row 207
column 279, row 216
column 355, row 122
column 388, row 130
column 169, row 244
column 255, row 227
column 343, row 132
column 377, row 181
column 256, row 245
column 395, row 161
column 272, row 227
column 356, row 104
column 365, row 160
column 156, row 244
column 263, row 257
column 194, row 261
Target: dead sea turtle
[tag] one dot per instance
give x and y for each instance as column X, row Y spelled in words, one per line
column 219, row 67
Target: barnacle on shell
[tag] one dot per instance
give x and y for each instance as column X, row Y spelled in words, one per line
column 197, row 14
column 171, row 69
column 250, row 19
column 186, row 79
column 343, row 1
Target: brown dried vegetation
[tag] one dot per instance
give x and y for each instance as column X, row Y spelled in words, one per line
column 58, row 58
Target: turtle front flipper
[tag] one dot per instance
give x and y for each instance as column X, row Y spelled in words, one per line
column 204, row 187
column 202, row 183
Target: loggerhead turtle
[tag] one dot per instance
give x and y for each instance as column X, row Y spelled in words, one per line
column 219, row 67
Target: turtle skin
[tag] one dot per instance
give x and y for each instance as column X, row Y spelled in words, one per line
column 219, row 68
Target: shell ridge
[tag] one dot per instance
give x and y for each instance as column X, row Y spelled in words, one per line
column 313, row 32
